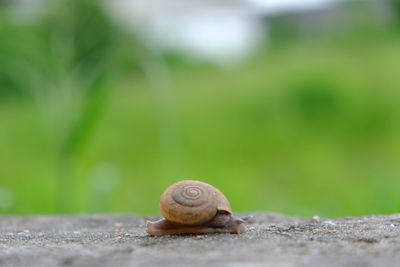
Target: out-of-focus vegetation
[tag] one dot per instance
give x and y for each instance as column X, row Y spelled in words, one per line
column 91, row 121
column 396, row 5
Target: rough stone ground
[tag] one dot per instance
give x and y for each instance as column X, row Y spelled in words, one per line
column 270, row 240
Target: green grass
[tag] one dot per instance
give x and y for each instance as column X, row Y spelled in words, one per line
column 307, row 129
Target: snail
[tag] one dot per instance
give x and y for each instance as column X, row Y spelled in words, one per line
column 194, row 207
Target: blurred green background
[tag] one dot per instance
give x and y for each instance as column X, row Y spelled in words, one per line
column 93, row 118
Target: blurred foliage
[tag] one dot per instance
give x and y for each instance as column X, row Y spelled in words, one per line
column 396, row 5
column 63, row 62
column 74, row 40
column 307, row 128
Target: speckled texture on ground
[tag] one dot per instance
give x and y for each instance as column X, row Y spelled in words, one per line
column 270, row 240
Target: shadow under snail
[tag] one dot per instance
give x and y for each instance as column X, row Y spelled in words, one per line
column 194, row 207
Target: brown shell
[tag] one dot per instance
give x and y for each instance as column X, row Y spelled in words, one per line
column 192, row 202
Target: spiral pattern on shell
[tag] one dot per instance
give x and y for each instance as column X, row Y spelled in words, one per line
column 192, row 202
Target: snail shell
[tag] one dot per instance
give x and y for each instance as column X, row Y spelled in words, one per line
column 194, row 207
column 192, row 202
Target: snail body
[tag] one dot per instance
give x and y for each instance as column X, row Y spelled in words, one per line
column 194, row 207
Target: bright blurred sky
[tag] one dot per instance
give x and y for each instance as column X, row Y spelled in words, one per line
column 215, row 34
column 273, row 6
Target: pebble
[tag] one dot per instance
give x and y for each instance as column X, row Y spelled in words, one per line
column 315, row 219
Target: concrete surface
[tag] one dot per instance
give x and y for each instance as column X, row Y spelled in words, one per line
column 270, row 240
